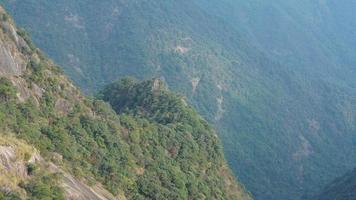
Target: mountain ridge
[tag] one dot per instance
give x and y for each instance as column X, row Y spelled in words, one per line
column 276, row 78
column 91, row 151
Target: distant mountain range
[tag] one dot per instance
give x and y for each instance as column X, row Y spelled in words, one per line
column 276, row 78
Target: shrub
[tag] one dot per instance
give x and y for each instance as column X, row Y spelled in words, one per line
column 7, row 90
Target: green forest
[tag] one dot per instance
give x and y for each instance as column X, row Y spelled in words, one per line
column 138, row 139
column 275, row 79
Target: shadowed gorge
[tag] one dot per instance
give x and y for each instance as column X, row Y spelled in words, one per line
column 342, row 188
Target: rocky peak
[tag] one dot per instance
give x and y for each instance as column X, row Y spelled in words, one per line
column 12, row 61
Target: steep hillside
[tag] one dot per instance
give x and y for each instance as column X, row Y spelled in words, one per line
column 19, row 178
column 342, row 188
column 58, row 144
column 275, row 77
column 26, row 175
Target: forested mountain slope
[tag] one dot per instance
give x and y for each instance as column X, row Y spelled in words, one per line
column 275, row 77
column 342, row 188
column 56, row 143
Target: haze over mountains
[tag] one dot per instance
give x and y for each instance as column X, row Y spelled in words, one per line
column 276, row 78
column 57, row 144
column 342, row 188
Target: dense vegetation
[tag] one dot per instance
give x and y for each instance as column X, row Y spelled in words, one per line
column 342, row 188
column 169, row 157
column 166, row 152
column 185, row 137
column 275, row 77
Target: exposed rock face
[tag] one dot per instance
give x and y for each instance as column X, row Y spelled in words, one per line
column 220, row 109
column 13, row 169
column 12, row 159
column 181, row 49
column 76, row 190
column 22, row 88
column 10, row 62
column 8, row 161
column 63, row 106
column 195, row 83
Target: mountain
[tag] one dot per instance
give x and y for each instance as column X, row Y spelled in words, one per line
column 342, row 188
column 59, row 144
column 276, row 78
